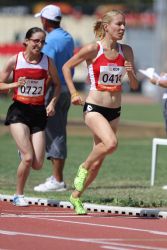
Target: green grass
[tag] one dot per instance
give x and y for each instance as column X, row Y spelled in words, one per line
column 4, row 104
column 124, row 178
column 142, row 112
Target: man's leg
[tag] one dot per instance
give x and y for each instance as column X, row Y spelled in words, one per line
column 58, row 166
column 56, row 146
column 56, row 137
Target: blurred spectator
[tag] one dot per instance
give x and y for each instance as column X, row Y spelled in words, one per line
column 59, row 46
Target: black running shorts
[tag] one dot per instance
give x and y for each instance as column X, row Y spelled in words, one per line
column 34, row 116
column 109, row 113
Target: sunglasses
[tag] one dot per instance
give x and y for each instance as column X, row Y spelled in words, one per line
column 37, row 41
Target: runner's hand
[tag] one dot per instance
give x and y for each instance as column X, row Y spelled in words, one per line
column 21, row 81
column 76, row 99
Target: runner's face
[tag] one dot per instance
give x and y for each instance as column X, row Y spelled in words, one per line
column 36, row 42
column 116, row 27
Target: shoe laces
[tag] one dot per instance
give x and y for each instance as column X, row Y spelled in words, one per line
column 51, row 178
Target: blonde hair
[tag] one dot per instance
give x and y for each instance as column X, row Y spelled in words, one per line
column 107, row 18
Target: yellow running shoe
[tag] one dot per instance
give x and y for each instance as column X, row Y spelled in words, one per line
column 78, row 206
column 80, row 178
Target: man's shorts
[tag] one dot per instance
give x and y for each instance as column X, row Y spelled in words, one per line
column 56, row 137
column 34, row 116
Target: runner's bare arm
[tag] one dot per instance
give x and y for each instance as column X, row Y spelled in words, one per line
column 129, row 65
column 55, row 78
column 87, row 53
column 5, row 74
column 7, row 69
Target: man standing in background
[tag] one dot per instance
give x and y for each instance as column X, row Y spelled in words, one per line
column 59, row 45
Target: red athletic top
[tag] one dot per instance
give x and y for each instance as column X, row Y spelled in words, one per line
column 106, row 74
column 34, row 90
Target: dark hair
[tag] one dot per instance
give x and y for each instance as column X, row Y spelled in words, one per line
column 54, row 24
column 33, row 30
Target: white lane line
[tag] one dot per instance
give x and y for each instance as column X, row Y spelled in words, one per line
column 4, row 249
column 112, row 245
column 14, row 233
column 35, row 212
column 93, row 224
column 45, row 214
column 39, row 216
column 116, row 248
column 133, row 246
column 105, row 225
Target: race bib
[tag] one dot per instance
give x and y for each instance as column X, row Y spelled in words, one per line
column 111, row 75
column 32, row 88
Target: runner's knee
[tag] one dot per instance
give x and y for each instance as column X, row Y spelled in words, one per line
column 111, row 146
column 37, row 165
column 27, row 159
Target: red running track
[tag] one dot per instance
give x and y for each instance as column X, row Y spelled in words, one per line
column 41, row 227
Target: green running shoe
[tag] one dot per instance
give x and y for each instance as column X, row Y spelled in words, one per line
column 78, row 206
column 80, row 178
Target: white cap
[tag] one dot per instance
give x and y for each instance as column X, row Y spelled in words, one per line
column 50, row 12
